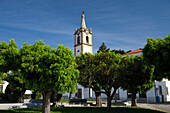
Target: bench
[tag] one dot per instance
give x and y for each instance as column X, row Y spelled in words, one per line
column 78, row 101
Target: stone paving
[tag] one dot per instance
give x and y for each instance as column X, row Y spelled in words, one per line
column 161, row 106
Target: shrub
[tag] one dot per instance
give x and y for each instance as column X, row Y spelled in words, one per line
column 27, row 96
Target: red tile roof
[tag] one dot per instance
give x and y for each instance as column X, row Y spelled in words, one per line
column 135, row 51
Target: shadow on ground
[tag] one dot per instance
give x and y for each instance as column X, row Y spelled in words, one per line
column 85, row 110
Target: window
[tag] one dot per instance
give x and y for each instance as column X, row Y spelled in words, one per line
column 87, row 39
column 78, row 40
column 1, row 86
column 160, row 90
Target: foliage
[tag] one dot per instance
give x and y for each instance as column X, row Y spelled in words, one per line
column 106, row 68
column 87, row 70
column 12, row 94
column 106, row 74
column 10, row 63
column 99, row 71
column 85, row 109
column 103, row 48
column 118, row 51
column 64, row 100
column 36, row 94
column 157, row 53
column 136, row 75
column 57, row 98
column 15, row 80
column 16, row 86
column 27, row 96
column 86, row 78
column 40, row 67
column 46, row 69
column 9, row 56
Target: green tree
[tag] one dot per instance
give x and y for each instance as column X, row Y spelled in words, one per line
column 47, row 69
column 136, row 75
column 106, row 73
column 9, row 56
column 86, row 67
column 157, row 53
column 118, row 51
column 9, row 64
column 103, row 48
column 15, row 90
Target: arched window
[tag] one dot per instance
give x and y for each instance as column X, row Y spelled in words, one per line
column 78, row 40
column 87, row 39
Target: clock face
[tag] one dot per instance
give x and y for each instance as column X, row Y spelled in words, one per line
column 87, row 32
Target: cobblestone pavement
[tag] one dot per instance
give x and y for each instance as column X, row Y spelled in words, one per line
column 162, row 107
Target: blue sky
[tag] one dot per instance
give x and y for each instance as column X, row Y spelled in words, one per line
column 121, row 24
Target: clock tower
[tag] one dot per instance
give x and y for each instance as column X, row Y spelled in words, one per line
column 83, row 43
column 82, row 38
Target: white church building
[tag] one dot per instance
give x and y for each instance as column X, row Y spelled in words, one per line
column 83, row 43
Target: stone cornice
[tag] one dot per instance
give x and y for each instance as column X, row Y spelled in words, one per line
column 82, row 44
column 82, row 30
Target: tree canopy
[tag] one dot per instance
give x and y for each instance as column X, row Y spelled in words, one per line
column 87, row 70
column 157, row 53
column 9, row 56
column 10, row 61
column 118, row 51
column 106, row 74
column 137, row 76
column 41, row 67
column 103, row 48
column 47, row 69
column 16, row 88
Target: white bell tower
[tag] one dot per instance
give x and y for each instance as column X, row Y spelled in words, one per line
column 83, row 38
column 83, row 43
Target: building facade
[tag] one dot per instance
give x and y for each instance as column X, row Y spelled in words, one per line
column 160, row 90
column 83, row 43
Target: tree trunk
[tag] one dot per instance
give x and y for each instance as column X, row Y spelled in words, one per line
column 46, row 101
column 134, row 101
column 98, row 99
column 109, row 99
column 22, row 96
column 70, row 97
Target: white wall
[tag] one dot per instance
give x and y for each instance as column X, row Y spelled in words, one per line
column 87, row 49
column 122, row 94
column 78, row 48
column 168, row 92
column 28, row 92
column 5, row 85
column 151, row 93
